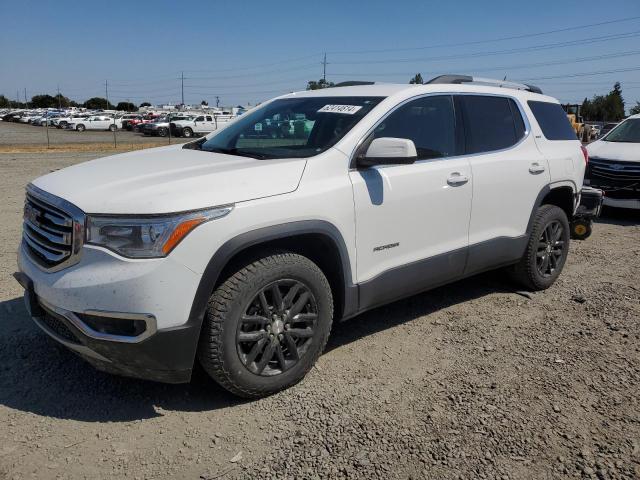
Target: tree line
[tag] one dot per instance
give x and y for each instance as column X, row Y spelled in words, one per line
column 60, row 101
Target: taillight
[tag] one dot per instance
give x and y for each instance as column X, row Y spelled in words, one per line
column 585, row 154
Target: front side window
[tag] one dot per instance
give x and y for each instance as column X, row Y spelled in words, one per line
column 289, row 127
column 491, row 123
column 430, row 122
column 627, row 132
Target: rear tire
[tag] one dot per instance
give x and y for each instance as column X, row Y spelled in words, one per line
column 162, row 132
column 546, row 251
column 266, row 325
column 80, row 128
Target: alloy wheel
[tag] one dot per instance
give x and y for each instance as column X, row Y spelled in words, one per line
column 277, row 327
column 550, row 249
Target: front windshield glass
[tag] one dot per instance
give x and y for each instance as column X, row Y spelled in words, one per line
column 627, row 132
column 290, row 127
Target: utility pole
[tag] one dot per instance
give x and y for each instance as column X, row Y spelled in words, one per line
column 17, row 98
column 217, row 101
column 324, row 68
column 59, row 101
column 26, row 104
column 182, row 86
column 106, row 93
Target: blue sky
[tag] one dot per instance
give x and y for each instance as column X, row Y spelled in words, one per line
column 246, row 51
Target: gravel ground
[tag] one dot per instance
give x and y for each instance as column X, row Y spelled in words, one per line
column 20, row 134
column 472, row 380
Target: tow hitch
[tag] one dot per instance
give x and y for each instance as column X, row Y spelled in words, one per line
column 589, row 208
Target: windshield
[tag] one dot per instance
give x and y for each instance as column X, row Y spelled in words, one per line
column 628, row 132
column 290, row 127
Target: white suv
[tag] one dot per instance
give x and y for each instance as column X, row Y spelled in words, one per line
column 241, row 248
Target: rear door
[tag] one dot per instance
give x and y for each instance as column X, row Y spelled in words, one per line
column 508, row 174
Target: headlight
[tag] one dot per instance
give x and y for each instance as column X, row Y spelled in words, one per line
column 147, row 236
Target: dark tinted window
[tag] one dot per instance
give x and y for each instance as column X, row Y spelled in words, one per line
column 491, row 123
column 552, row 120
column 429, row 121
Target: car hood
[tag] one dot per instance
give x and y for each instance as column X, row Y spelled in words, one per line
column 619, row 151
column 170, row 179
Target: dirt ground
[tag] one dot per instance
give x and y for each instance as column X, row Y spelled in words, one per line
column 472, row 380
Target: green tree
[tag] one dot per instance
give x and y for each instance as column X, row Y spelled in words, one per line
column 417, row 79
column 43, row 101
column 204, row 103
column 145, row 104
column 126, row 106
column 635, row 110
column 4, row 102
column 96, row 103
column 608, row 107
column 322, row 83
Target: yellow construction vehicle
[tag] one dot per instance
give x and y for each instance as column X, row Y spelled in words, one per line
column 583, row 131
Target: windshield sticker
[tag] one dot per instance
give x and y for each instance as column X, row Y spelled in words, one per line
column 346, row 109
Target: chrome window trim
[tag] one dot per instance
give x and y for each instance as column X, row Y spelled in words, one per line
column 147, row 318
column 78, row 221
column 525, row 119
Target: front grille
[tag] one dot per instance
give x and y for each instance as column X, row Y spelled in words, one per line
column 625, row 172
column 58, row 326
column 50, row 235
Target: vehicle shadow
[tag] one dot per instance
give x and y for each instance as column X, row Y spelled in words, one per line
column 417, row 306
column 39, row 376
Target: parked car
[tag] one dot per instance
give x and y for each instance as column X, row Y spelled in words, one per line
column 135, row 123
column 96, row 122
column 607, row 127
column 200, row 125
column 63, row 121
column 161, row 126
column 241, row 251
column 614, row 164
column 126, row 119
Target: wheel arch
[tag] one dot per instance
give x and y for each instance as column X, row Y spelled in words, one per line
column 561, row 194
column 318, row 240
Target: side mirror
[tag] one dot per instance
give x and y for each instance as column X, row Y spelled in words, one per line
column 389, row 151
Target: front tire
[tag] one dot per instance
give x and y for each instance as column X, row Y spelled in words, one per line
column 112, row 127
column 546, row 251
column 187, row 132
column 266, row 325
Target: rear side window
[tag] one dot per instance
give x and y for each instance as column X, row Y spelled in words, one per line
column 552, row 120
column 491, row 123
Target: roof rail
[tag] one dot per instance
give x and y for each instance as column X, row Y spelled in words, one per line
column 352, row 83
column 458, row 79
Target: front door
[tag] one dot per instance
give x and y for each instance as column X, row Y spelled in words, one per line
column 412, row 220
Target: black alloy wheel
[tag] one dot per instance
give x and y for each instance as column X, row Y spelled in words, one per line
column 276, row 328
column 550, row 249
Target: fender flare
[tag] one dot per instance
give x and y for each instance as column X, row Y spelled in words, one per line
column 255, row 237
column 543, row 193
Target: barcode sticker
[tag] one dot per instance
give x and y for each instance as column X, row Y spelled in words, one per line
column 346, row 109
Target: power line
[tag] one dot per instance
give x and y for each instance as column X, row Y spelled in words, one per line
column 586, row 74
column 506, row 67
column 547, row 46
column 500, row 39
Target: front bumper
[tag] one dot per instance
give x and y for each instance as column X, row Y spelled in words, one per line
column 159, row 292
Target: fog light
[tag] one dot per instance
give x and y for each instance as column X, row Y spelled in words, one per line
column 125, row 327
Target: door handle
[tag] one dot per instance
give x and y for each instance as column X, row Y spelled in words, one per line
column 456, row 180
column 536, row 168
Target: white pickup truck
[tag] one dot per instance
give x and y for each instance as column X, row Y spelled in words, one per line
column 200, row 125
